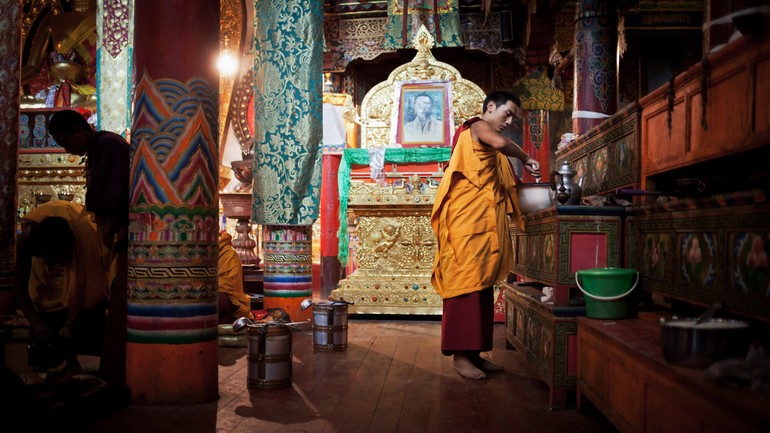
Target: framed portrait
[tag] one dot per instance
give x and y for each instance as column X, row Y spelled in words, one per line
column 424, row 115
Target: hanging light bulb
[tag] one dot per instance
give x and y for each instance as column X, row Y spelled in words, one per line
column 227, row 63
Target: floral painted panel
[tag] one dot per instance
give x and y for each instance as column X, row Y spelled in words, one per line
column 549, row 252
column 521, row 256
column 599, row 164
column 533, row 254
column 698, row 252
column 625, row 157
column 657, row 254
column 750, row 271
column 581, row 167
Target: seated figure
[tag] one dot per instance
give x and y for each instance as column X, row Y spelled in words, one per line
column 233, row 302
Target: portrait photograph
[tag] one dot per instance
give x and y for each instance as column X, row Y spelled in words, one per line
column 424, row 114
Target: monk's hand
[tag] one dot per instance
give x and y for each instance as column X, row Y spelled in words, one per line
column 532, row 166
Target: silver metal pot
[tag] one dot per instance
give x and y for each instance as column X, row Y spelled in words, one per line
column 534, row 196
column 686, row 343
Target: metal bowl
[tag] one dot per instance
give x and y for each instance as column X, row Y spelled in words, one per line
column 686, row 343
column 534, row 196
column 241, row 323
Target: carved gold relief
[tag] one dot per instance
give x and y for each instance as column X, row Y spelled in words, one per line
column 33, row 9
column 239, row 109
column 395, row 252
column 230, row 36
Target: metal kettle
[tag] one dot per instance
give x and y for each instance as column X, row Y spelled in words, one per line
column 567, row 190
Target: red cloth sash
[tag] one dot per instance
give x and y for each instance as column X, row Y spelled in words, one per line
column 467, row 124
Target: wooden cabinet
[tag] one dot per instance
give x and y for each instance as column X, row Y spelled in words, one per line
column 607, row 157
column 712, row 110
column 701, row 251
column 621, row 370
column 561, row 240
column 545, row 335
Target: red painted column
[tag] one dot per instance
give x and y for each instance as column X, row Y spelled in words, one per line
column 171, row 355
column 330, row 224
column 10, row 70
column 596, row 40
column 536, row 142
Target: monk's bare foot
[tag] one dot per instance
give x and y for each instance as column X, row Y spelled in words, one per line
column 465, row 368
column 486, row 365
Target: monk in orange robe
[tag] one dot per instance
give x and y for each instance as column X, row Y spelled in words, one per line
column 62, row 279
column 469, row 218
column 233, row 302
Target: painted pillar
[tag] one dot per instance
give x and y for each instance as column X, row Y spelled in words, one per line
column 288, row 275
column 288, row 84
column 10, row 74
column 330, row 222
column 536, row 142
column 596, row 40
column 173, row 251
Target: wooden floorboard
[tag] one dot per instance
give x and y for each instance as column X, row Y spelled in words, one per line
column 391, row 379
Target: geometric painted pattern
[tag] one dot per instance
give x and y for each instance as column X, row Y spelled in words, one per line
column 173, row 253
column 288, row 253
column 168, row 113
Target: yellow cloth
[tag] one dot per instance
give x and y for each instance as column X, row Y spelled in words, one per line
column 230, row 272
column 84, row 281
column 469, row 218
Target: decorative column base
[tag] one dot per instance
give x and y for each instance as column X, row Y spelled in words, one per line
column 288, row 277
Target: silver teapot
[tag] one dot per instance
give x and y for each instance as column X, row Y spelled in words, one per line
column 568, row 191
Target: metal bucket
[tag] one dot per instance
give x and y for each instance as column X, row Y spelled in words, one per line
column 269, row 356
column 330, row 326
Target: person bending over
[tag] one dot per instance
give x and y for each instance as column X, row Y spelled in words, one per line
column 61, row 282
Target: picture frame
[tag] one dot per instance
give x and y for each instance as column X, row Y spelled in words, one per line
column 424, row 116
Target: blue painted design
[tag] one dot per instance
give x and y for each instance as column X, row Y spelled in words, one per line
column 288, row 103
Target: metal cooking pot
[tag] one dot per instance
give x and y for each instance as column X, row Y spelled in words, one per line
column 686, row 343
column 534, row 196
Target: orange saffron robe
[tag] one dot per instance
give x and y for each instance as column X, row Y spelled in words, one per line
column 470, row 221
column 230, row 276
column 85, row 281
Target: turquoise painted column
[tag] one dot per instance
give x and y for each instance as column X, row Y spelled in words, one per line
column 173, row 236
column 288, row 85
column 10, row 73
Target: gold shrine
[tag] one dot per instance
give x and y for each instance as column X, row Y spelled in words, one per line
column 377, row 105
column 397, row 245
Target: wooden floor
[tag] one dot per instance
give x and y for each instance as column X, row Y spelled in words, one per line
column 392, row 378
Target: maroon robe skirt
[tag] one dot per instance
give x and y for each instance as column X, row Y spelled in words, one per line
column 468, row 322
